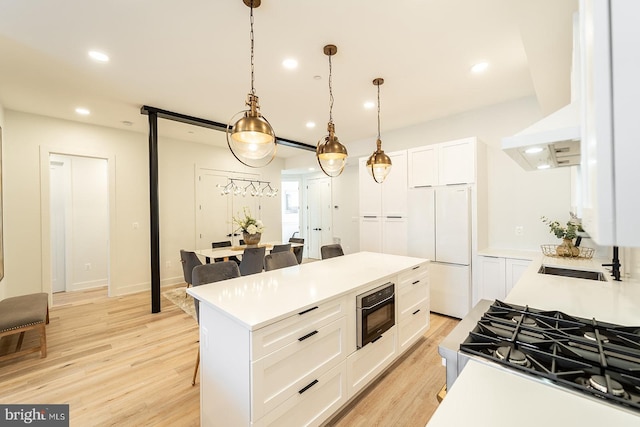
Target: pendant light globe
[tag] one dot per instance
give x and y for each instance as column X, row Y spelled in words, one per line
column 379, row 164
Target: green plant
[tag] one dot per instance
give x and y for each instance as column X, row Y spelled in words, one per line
column 248, row 224
column 568, row 231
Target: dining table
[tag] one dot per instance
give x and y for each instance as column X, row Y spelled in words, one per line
column 228, row 251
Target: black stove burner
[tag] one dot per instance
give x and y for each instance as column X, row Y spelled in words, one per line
column 594, row 357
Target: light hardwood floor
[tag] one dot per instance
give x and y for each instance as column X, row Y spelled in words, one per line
column 116, row 364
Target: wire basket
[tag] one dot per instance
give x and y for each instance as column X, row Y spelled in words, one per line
column 552, row 250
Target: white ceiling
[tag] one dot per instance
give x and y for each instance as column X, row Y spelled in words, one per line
column 192, row 57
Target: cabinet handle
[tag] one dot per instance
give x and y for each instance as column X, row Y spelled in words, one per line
column 310, row 334
column 417, row 311
column 307, row 310
column 372, row 341
column 416, row 267
column 417, row 281
column 394, row 216
column 308, row 386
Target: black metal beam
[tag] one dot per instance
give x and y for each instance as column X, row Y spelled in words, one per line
column 154, row 208
column 210, row 124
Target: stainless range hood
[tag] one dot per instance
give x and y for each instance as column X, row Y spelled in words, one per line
column 555, row 140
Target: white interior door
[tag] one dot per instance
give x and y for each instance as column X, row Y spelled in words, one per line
column 213, row 210
column 58, row 226
column 319, row 215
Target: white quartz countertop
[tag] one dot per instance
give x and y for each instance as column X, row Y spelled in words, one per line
column 487, row 395
column 610, row 301
column 260, row 299
column 509, row 253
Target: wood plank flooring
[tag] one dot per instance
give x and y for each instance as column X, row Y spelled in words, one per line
column 116, row 364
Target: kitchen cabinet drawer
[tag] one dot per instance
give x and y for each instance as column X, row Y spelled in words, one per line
column 409, row 297
column 419, row 272
column 279, row 375
column 413, row 327
column 313, row 403
column 289, row 330
column 366, row 363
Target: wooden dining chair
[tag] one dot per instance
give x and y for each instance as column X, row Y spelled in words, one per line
column 252, row 261
column 211, row 273
column 273, row 261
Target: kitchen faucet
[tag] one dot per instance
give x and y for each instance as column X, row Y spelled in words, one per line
column 615, row 265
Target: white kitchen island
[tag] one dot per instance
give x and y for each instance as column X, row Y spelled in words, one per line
column 279, row 347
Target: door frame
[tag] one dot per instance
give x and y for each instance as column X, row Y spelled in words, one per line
column 45, row 209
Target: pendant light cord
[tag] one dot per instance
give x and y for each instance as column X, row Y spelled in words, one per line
column 378, row 111
column 253, row 90
column 330, row 94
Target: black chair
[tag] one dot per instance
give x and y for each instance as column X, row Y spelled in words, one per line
column 331, row 251
column 211, row 273
column 297, row 251
column 286, row 247
column 224, row 244
column 273, row 261
column 252, row 261
column 189, row 261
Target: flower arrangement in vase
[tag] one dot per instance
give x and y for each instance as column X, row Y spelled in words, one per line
column 251, row 228
column 567, row 233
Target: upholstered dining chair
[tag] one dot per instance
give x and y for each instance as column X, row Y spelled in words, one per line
column 211, row 273
column 224, row 244
column 331, row 251
column 286, row 247
column 252, row 261
column 298, row 249
column 189, row 261
column 273, row 261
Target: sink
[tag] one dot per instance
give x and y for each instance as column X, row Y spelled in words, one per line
column 566, row 272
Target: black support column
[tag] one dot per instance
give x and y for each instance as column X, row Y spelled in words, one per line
column 154, row 213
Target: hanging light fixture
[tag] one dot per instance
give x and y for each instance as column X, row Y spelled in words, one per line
column 251, row 139
column 332, row 156
column 379, row 164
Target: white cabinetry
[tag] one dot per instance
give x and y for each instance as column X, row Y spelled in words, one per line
column 610, row 65
column 452, row 162
column 413, row 306
column 383, row 208
column 498, row 275
column 366, row 363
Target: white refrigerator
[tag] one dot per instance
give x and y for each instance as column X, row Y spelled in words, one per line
column 440, row 230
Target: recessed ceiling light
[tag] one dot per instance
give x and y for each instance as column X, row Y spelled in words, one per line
column 533, row 150
column 545, row 166
column 290, row 63
column 98, row 56
column 479, row 67
column 317, row 77
column 369, row 105
column 83, row 111
column 127, row 123
column 311, row 125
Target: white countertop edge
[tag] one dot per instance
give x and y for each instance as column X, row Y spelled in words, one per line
column 510, row 253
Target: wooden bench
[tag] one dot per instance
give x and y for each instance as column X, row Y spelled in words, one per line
column 22, row 314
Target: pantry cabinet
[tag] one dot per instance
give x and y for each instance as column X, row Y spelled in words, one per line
column 446, row 163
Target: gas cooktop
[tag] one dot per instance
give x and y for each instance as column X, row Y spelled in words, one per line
column 593, row 357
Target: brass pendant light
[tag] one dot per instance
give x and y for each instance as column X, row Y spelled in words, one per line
column 331, row 154
column 379, row 164
column 252, row 139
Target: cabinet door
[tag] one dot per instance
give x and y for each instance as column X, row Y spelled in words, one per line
column 394, row 236
column 492, row 277
column 450, row 289
column 514, row 268
column 366, row 363
column 457, row 162
column 422, row 223
column 411, row 329
column 423, row 166
column 371, row 234
column 394, row 187
column 370, row 192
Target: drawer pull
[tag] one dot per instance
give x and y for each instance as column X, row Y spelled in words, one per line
column 310, row 334
column 376, row 339
column 307, row 310
column 417, row 281
column 308, row 386
column 416, row 267
column 417, row 311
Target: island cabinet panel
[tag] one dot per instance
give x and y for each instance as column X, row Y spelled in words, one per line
column 411, row 329
column 291, row 329
column 283, row 373
column 313, row 404
column 366, row 363
column 413, row 305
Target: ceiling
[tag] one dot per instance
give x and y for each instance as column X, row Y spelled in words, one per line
column 192, row 57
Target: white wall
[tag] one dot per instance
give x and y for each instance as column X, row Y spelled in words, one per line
column 515, row 197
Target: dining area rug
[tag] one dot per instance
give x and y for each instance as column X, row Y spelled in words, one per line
column 179, row 297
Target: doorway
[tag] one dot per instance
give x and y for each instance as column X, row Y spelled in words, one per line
column 319, row 225
column 79, row 222
column 290, row 210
